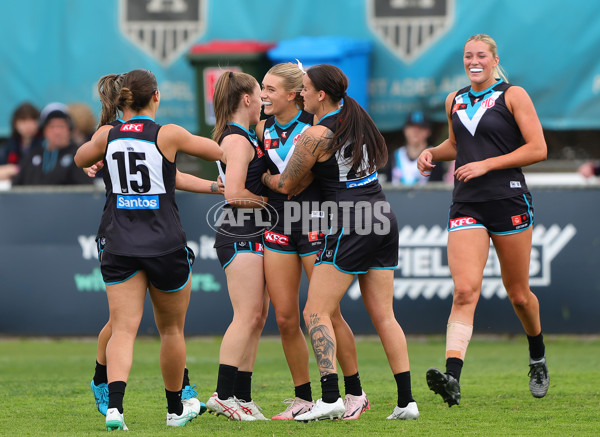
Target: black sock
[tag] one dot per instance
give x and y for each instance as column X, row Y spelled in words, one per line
column 404, row 389
column 242, row 388
column 116, row 391
column 454, row 367
column 100, row 374
column 174, row 404
column 352, row 385
column 329, row 388
column 537, row 349
column 225, row 381
column 304, row 392
column 186, row 379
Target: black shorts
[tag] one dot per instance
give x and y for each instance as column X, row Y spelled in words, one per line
column 170, row 272
column 500, row 217
column 227, row 252
column 352, row 253
column 294, row 242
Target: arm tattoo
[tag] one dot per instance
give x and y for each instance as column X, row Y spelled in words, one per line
column 214, row 187
column 323, row 345
column 267, row 181
column 303, row 158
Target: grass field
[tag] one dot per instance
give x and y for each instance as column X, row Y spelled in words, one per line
column 44, row 390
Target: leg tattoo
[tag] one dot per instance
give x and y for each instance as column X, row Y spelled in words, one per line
column 323, row 345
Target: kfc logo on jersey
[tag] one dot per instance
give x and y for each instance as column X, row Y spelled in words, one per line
column 458, row 107
column 274, row 237
column 132, row 127
column 258, row 247
column 462, row 221
column 259, row 152
column 295, row 140
column 488, row 103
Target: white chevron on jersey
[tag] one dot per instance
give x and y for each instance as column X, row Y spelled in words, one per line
column 471, row 123
column 274, row 154
column 281, row 163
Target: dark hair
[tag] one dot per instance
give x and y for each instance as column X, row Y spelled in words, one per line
column 23, row 112
column 355, row 127
column 137, row 89
column 229, row 89
column 109, row 87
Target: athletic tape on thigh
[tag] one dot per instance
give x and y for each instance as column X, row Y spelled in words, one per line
column 458, row 335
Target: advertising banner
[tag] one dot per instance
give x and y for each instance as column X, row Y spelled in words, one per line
column 50, row 280
column 60, row 49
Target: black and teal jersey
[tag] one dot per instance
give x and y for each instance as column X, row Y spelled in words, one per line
column 142, row 218
column 240, row 224
column 343, row 185
column 484, row 128
column 257, row 165
column 279, row 142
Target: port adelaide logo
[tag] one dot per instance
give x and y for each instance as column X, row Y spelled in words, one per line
column 163, row 28
column 409, row 27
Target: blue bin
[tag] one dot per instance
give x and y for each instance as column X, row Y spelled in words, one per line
column 349, row 54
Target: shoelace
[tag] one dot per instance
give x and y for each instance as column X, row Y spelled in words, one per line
column 249, row 408
column 290, row 403
column 538, row 371
column 189, row 392
column 103, row 398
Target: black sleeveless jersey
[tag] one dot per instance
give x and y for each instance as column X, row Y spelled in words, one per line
column 142, row 218
column 484, row 128
column 279, row 142
column 243, row 224
column 106, row 178
column 339, row 183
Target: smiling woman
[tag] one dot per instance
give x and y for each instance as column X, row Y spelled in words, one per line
column 493, row 132
column 296, row 240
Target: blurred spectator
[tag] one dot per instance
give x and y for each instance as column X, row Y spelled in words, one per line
column 589, row 169
column 403, row 163
column 24, row 134
column 84, row 122
column 51, row 162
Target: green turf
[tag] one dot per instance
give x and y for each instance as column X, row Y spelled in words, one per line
column 44, row 390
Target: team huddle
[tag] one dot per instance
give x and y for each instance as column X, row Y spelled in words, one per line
column 317, row 146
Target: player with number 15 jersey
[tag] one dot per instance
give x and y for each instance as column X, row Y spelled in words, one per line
column 141, row 215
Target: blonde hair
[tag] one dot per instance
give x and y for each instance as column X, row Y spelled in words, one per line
column 498, row 70
column 292, row 79
column 229, row 89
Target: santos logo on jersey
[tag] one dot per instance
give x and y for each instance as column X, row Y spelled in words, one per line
column 137, row 202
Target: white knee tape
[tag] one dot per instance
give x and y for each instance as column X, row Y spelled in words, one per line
column 458, row 335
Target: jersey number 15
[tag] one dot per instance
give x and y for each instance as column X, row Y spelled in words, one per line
column 131, row 181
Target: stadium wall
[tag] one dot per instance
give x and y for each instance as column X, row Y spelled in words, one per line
column 50, row 281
